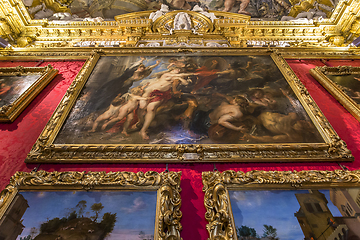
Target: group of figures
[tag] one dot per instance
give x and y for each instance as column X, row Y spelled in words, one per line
column 187, row 100
column 99, row 10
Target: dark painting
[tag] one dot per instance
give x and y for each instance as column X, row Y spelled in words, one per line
column 11, row 87
column 83, row 215
column 350, row 84
column 172, row 100
column 296, row 214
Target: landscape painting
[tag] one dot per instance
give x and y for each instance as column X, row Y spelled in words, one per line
column 110, row 215
column 11, row 87
column 296, row 214
column 187, row 100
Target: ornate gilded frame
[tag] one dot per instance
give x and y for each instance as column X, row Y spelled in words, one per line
column 44, row 150
column 217, row 184
column 8, row 113
column 167, row 185
column 337, row 91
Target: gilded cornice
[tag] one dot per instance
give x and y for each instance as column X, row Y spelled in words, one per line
column 134, row 29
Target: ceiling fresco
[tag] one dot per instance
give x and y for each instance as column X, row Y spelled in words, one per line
column 106, row 10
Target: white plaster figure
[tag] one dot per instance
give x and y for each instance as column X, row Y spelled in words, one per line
column 163, row 10
column 182, row 21
column 198, row 9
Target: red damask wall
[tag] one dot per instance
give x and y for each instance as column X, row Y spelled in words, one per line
column 17, row 138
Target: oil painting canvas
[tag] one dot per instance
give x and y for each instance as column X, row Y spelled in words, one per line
column 296, row 214
column 11, row 87
column 42, row 205
column 350, row 84
column 84, row 215
column 19, row 86
column 175, row 107
column 343, row 83
column 174, row 100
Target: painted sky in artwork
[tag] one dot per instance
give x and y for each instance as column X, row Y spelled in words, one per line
column 135, row 210
column 276, row 208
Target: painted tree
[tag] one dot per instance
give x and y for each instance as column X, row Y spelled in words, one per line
column 97, row 208
column 107, row 224
column 33, row 232
column 270, row 232
column 81, row 206
column 245, row 231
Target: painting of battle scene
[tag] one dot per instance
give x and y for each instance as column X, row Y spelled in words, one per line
column 11, row 87
column 350, row 84
column 106, row 10
column 296, row 214
column 83, row 215
column 187, row 99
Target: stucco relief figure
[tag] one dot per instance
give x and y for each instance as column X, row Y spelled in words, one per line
column 182, row 21
column 204, row 12
column 163, row 10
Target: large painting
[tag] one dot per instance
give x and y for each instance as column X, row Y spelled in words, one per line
column 343, row 83
column 273, row 205
column 159, row 101
column 19, row 86
column 125, row 211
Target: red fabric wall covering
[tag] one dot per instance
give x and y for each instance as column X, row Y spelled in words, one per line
column 16, row 140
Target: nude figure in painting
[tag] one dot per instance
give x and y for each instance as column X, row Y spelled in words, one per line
column 159, row 91
column 117, row 112
column 229, row 4
column 228, row 112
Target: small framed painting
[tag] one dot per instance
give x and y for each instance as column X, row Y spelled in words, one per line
column 261, row 205
column 342, row 82
column 92, row 205
column 19, row 86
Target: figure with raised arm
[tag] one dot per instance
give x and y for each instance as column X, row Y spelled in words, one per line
column 159, row 91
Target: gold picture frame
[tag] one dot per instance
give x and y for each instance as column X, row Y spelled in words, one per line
column 220, row 194
column 165, row 185
column 18, row 90
column 340, row 88
column 331, row 147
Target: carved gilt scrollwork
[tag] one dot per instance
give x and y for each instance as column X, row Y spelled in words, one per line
column 217, row 201
column 166, row 183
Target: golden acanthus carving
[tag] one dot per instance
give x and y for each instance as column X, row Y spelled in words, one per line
column 137, row 29
column 217, row 201
column 166, row 183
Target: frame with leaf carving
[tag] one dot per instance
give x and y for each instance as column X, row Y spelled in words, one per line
column 166, row 186
column 332, row 148
column 217, row 186
column 236, row 29
column 21, row 93
column 340, row 87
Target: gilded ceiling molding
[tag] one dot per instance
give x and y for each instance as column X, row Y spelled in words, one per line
column 135, row 29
